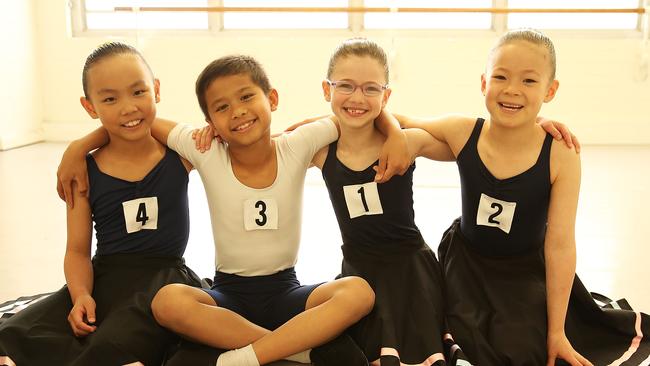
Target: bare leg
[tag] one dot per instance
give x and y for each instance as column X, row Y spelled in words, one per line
column 330, row 309
column 193, row 314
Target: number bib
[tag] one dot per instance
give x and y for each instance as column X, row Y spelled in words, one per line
column 260, row 214
column 362, row 199
column 496, row 213
column 141, row 214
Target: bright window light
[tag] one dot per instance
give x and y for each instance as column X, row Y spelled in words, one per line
column 266, row 20
column 428, row 20
column 100, row 15
column 573, row 20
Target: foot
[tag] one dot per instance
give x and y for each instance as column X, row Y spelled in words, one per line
column 340, row 351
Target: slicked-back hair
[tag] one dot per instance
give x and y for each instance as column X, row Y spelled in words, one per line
column 529, row 35
column 228, row 66
column 360, row 47
column 104, row 51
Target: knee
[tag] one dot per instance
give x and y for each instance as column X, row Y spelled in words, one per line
column 359, row 296
column 168, row 305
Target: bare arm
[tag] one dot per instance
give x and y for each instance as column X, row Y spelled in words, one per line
column 78, row 267
column 423, row 144
column 394, row 157
column 72, row 167
column 560, row 252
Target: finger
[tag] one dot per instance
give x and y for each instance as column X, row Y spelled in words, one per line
column 59, row 189
column 389, row 173
column 79, row 327
column 82, row 184
column 576, row 143
column 67, row 192
column 551, row 361
column 90, row 314
column 583, row 361
column 380, row 169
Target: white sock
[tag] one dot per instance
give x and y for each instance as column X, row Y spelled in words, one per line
column 302, row 357
column 239, row 357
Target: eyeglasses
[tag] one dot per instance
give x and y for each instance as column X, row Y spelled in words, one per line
column 369, row 89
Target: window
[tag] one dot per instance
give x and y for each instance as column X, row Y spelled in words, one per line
column 428, row 20
column 573, row 20
column 100, row 15
column 288, row 20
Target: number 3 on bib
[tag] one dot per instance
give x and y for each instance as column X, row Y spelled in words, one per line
column 362, row 199
column 260, row 214
column 496, row 213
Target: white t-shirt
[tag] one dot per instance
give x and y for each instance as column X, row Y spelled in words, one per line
column 256, row 231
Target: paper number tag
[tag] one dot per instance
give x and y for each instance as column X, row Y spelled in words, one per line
column 261, row 214
column 496, row 213
column 362, row 199
column 141, row 214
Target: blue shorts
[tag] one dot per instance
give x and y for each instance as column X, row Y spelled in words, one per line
column 268, row 301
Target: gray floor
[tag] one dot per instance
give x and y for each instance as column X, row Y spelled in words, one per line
column 612, row 227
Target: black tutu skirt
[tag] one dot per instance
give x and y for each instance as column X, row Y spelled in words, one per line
column 407, row 323
column 127, row 332
column 496, row 312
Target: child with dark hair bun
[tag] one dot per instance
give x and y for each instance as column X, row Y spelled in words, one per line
column 138, row 204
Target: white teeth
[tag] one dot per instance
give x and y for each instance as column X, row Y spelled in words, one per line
column 132, row 123
column 511, row 106
column 243, row 126
column 355, row 111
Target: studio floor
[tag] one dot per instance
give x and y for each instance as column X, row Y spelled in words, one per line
column 613, row 222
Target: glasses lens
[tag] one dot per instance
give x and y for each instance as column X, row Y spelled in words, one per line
column 345, row 87
column 371, row 89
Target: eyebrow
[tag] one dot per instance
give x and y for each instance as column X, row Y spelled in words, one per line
column 239, row 91
column 109, row 90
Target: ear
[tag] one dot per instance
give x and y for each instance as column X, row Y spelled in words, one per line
column 156, row 89
column 209, row 122
column 327, row 89
column 552, row 90
column 273, row 99
column 385, row 98
column 88, row 106
column 483, row 84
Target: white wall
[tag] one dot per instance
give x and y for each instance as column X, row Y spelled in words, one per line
column 20, row 86
column 601, row 96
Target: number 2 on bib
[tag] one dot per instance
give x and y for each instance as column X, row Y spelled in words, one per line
column 495, row 213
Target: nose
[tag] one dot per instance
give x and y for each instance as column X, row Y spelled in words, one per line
column 357, row 93
column 239, row 111
column 512, row 88
column 128, row 107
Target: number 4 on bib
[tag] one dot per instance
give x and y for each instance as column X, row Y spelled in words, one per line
column 141, row 214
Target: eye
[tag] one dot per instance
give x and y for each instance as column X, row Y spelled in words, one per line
column 372, row 89
column 530, row 81
column 140, row 91
column 345, row 87
column 246, row 97
column 221, row 108
column 108, row 100
column 498, row 77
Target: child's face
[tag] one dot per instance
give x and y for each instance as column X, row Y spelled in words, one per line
column 356, row 109
column 239, row 109
column 123, row 94
column 516, row 83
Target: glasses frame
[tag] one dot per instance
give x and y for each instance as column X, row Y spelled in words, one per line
column 356, row 86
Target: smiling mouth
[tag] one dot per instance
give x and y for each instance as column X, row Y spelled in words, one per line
column 511, row 107
column 244, row 126
column 132, row 124
column 355, row 111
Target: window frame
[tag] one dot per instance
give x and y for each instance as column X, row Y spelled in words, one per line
column 355, row 27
